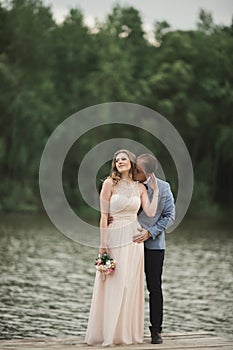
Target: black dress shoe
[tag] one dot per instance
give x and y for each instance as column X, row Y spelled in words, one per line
column 155, row 336
column 156, row 339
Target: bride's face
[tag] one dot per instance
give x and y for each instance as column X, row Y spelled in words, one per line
column 123, row 164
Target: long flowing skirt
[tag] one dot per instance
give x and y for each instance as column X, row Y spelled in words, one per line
column 117, row 307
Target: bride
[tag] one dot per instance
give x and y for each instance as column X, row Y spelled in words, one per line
column 117, row 307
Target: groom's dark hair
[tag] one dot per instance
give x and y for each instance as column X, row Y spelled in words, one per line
column 149, row 161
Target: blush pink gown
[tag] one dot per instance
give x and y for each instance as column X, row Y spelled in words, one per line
column 117, row 307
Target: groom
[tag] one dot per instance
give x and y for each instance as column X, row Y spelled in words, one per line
column 153, row 236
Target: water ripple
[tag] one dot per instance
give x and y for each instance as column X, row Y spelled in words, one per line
column 46, row 280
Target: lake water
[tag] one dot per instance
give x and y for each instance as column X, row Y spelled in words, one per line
column 47, row 279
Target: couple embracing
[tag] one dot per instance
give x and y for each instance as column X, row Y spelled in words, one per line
column 136, row 209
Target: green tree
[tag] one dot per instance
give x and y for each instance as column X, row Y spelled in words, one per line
column 28, row 103
column 50, row 70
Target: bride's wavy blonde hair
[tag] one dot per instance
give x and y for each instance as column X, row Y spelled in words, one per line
column 114, row 174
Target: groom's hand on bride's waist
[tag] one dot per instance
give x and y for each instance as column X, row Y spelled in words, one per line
column 110, row 219
column 141, row 236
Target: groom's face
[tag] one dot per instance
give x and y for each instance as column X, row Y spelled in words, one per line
column 140, row 174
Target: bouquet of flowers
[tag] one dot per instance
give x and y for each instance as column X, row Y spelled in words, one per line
column 105, row 264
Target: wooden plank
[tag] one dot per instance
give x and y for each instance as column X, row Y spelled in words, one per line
column 173, row 341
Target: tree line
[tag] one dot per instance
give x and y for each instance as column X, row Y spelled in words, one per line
column 49, row 71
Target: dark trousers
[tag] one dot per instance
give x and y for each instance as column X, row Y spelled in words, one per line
column 153, row 269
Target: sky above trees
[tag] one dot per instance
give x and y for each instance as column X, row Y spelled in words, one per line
column 180, row 14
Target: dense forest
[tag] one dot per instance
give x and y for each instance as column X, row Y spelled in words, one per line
column 49, row 71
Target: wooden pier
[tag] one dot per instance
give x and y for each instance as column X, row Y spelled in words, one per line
column 173, row 341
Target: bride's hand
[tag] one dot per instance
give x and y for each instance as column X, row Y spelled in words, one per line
column 103, row 250
column 153, row 183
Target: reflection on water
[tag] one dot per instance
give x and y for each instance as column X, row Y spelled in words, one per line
column 46, row 279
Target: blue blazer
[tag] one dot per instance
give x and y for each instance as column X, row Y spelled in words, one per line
column 164, row 217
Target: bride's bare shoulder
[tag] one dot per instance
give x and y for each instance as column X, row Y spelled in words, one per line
column 108, row 183
column 141, row 187
column 107, row 187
